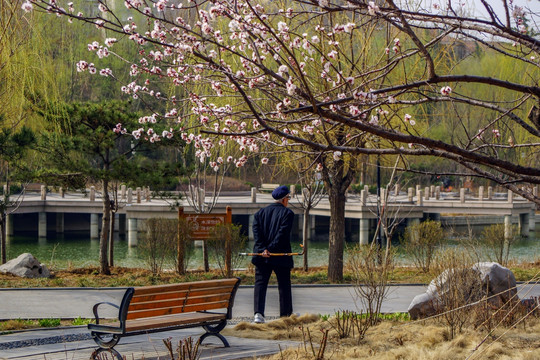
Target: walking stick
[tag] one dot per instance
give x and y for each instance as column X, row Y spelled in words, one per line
column 275, row 254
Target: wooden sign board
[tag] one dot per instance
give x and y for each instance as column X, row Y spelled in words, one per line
column 202, row 224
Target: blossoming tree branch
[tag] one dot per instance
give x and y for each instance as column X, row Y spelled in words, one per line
column 332, row 80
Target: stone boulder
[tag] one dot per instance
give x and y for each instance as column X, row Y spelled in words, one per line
column 25, row 265
column 485, row 279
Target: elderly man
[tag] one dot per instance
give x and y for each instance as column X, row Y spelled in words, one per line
column 272, row 232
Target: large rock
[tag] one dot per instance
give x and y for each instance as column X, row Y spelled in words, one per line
column 25, row 265
column 485, row 279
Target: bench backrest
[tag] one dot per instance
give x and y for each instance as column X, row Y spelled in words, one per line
column 149, row 301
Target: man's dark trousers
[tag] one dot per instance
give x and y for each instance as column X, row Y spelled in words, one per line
column 263, row 272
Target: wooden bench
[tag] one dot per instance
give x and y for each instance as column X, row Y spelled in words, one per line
column 157, row 308
column 268, row 187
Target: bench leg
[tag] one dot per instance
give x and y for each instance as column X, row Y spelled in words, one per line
column 107, row 341
column 218, row 335
column 213, row 330
column 96, row 354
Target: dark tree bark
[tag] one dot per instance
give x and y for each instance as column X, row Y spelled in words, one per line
column 105, row 226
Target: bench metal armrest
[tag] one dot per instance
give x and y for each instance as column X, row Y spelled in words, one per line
column 95, row 309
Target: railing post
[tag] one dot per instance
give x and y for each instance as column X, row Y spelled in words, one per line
column 510, row 196
column 490, row 193
column 92, row 193
column 253, row 194
column 481, row 193
column 43, row 192
column 410, row 194
column 462, row 195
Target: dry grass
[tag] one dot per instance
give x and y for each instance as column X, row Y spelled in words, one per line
column 396, row 340
column 90, row 277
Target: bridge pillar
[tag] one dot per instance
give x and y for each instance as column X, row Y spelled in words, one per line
column 364, row 232
column 42, row 224
column 132, row 232
column 60, row 223
column 480, row 193
column 250, row 227
column 524, row 224
column 94, row 226
column 9, row 225
column 507, row 226
column 116, row 222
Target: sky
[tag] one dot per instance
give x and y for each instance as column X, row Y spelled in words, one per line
column 497, row 5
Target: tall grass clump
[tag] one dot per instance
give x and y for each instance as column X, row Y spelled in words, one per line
column 420, row 242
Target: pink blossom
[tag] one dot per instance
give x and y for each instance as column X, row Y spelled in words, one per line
column 264, row 160
column 319, row 167
column 407, row 117
column 27, row 6
column 446, row 90
column 372, row 8
column 496, row 133
column 337, row 155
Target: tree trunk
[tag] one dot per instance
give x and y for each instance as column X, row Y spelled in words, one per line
column 111, row 241
column 3, row 236
column 305, row 233
column 337, row 234
column 105, row 226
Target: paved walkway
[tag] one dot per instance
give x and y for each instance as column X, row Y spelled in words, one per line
column 75, row 343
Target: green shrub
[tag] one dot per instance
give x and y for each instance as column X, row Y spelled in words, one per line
column 49, row 322
column 217, row 245
column 420, row 242
column 497, row 244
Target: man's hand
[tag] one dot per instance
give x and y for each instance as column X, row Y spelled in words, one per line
column 265, row 254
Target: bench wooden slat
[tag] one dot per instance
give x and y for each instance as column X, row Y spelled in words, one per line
column 170, row 320
column 176, row 310
column 162, row 303
column 184, row 286
column 179, row 294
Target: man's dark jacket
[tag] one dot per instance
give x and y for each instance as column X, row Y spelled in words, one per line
column 272, row 227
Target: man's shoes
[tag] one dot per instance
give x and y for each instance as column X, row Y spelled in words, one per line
column 258, row 319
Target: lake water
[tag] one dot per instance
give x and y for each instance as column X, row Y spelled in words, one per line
column 77, row 250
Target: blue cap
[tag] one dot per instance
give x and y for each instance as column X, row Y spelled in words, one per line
column 280, row 192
